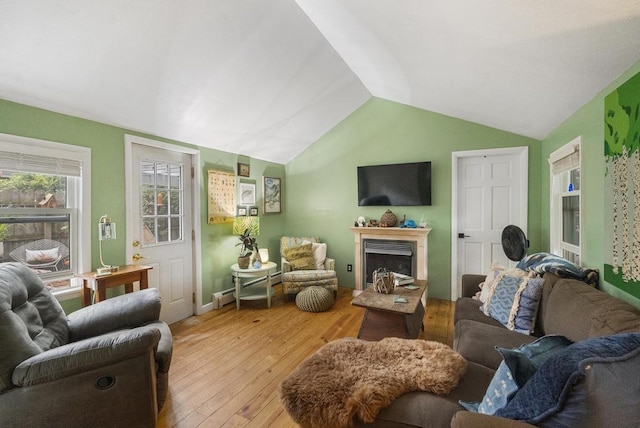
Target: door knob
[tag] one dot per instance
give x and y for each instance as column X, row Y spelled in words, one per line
column 462, row 235
column 137, row 257
column 136, row 243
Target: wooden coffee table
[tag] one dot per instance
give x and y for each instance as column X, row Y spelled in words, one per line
column 384, row 317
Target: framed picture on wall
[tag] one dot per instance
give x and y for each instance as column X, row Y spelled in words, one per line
column 244, row 170
column 253, row 211
column 221, row 188
column 242, row 211
column 247, row 193
column 272, row 194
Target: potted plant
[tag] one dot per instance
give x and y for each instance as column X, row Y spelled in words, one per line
column 247, row 246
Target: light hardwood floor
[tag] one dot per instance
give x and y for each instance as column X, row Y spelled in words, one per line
column 227, row 363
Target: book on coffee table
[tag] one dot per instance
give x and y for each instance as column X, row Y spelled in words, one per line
column 401, row 279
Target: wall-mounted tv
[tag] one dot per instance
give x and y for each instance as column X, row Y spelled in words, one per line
column 401, row 184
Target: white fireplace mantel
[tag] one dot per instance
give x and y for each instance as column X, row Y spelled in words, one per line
column 416, row 235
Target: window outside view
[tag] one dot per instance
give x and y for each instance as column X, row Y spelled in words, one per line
column 35, row 224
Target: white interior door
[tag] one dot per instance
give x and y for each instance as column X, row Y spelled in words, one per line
column 489, row 193
column 160, row 229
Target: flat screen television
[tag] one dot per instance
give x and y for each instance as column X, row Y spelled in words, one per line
column 401, row 184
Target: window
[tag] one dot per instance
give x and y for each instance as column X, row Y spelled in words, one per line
column 566, row 203
column 162, row 213
column 45, row 208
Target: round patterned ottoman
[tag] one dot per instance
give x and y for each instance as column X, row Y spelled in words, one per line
column 314, row 299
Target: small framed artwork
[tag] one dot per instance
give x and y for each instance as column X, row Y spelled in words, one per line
column 242, row 211
column 253, row 211
column 247, row 193
column 244, row 170
column 272, row 194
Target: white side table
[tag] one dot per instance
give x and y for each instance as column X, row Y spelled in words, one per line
column 253, row 292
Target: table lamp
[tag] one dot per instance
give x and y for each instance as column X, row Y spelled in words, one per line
column 106, row 230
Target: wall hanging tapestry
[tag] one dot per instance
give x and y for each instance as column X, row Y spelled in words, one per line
column 222, row 196
column 351, row 377
column 622, row 186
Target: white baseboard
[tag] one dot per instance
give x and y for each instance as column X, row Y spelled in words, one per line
column 224, row 297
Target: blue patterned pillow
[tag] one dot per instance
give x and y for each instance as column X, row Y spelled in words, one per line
column 525, row 319
column 514, row 371
column 543, row 397
column 514, row 302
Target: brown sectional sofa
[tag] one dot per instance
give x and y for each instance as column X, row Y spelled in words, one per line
column 567, row 307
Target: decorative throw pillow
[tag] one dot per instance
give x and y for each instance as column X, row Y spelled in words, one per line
column 319, row 254
column 489, row 281
column 300, row 257
column 524, row 320
column 514, row 299
column 494, row 277
column 517, row 367
column 42, row 256
column 542, row 398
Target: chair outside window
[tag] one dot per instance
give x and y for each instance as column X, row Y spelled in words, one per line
column 43, row 254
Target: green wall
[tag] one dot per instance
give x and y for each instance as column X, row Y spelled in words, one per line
column 587, row 122
column 321, row 188
column 108, row 187
column 320, row 184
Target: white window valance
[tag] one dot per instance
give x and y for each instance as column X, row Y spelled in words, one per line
column 566, row 158
column 23, row 162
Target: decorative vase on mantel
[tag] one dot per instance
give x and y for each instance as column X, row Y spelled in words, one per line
column 243, row 261
column 388, row 219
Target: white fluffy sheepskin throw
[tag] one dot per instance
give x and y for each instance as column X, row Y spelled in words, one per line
column 350, row 377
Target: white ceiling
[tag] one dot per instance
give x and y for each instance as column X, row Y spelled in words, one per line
column 267, row 78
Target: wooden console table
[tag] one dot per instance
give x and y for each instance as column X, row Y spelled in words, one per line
column 126, row 276
column 385, row 318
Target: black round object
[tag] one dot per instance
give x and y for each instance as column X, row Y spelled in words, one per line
column 514, row 243
column 105, row 382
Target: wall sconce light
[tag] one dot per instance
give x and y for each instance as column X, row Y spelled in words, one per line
column 106, row 230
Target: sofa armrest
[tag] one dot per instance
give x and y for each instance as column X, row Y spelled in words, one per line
column 464, row 419
column 164, row 350
column 471, row 284
column 329, row 264
column 85, row 355
column 286, row 266
column 126, row 311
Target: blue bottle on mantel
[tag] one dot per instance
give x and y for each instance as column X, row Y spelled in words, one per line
column 570, row 189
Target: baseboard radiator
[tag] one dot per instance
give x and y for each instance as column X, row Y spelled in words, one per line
column 225, row 297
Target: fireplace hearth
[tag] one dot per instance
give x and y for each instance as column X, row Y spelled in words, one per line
column 394, row 256
column 390, row 247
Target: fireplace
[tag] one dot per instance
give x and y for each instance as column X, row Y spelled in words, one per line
column 398, row 245
column 392, row 255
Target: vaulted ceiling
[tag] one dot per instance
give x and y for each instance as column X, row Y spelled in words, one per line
column 268, row 78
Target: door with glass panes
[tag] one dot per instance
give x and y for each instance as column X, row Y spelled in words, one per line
column 161, row 229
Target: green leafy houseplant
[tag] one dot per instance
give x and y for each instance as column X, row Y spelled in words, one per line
column 247, row 245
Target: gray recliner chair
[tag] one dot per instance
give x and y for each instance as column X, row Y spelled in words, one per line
column 103, row 365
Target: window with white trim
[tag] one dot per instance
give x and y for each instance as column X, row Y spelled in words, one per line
column 566, row 202
column 45, row 208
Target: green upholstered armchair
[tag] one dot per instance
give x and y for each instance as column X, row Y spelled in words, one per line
column 104, row 365
column 304, row 263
